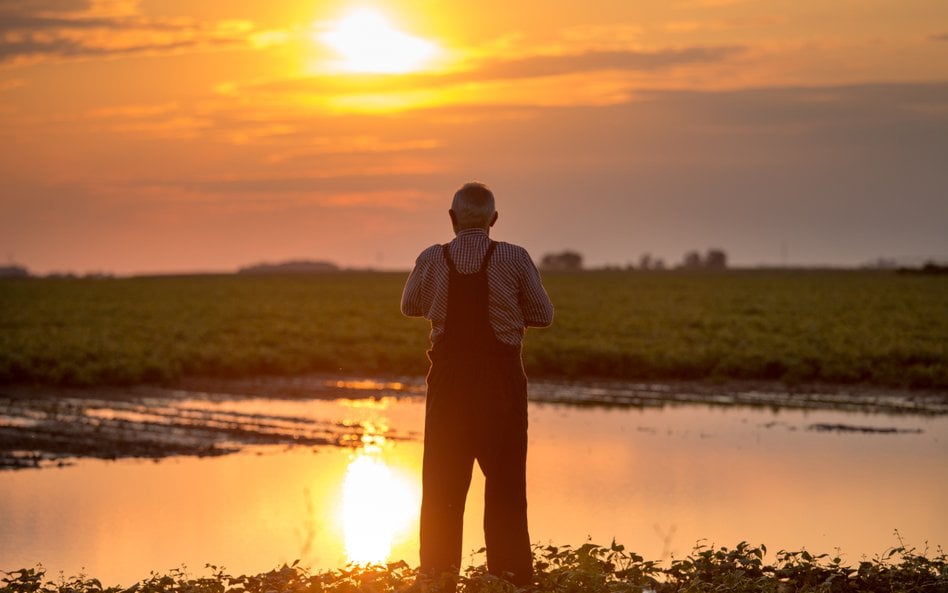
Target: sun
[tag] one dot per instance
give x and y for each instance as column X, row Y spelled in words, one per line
column 366, row 42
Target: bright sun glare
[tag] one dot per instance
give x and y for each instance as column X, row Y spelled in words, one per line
column 378, row 505
column 367, row 43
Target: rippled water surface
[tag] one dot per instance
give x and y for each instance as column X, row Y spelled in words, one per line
column 656, row 479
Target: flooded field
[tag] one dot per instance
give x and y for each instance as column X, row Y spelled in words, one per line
column 334, row 480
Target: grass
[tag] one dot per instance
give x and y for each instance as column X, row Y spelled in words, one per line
column 847, row 327
column 587, row 569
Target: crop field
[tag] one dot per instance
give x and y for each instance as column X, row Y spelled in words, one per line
column 794, row 327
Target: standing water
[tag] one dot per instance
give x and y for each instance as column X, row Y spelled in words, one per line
column 656, row 479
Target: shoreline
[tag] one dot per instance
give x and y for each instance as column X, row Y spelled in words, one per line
column 579, row 392
column 47, row 426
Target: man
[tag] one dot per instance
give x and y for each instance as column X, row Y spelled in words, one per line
column 479, row 295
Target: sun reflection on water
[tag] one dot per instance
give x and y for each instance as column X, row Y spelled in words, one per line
column 369, row 385
column 379, row 504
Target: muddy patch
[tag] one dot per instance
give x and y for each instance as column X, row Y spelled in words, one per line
column 815, row 397
column 836, row 427
column 56, row 431
column 42, row 426
column 607, row 393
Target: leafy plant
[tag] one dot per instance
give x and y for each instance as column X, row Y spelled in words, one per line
column 589, row 568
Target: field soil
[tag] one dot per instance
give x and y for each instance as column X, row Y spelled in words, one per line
column 42, row 426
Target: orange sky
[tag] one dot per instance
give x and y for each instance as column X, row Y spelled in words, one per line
column 183, row 135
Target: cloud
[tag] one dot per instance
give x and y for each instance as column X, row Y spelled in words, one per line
column 134, row 111
column 555, row 65
column 314, row 187
column 22, row 6
column 940, row 37
column 570, row 77
column 719, row 25
column 503, row 69
column 13, row 83
column 34, row 50
column 351, row 145
column 709, row 3
column 15, row 22
column 389, row 199
column 839, row 173
column 51, row 30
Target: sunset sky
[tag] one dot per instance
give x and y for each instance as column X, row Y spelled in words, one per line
column 195, row 135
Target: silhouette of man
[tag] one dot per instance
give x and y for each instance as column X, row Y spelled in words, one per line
column 479, row 295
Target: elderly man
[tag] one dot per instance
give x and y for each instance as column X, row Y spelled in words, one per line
column 479, row 295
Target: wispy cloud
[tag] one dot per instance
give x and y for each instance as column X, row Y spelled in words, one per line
column 709, row 3
column 12, row 83
column 160, row 120
column 351, row 145
column 500, row 69
column 939, row 37
column 408, row 199
column 50, row 30
column 593, row 61
column 134, row 111
column 395, row 186
column 719, row 25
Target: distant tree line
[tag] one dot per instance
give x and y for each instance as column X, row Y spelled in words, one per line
column 291, row 267
column 928, row 268
column 571, row 261
column 13, row 272
column 648, row 262
column 566, row 261
column 714, row 259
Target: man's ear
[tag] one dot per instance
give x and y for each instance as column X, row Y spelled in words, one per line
column 454, row 220
column 493, row 218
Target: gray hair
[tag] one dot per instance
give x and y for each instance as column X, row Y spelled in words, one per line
column 473, row 205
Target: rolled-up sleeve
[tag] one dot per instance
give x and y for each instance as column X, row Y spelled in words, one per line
column 417, row 294
column 534, row 301
column 411, row 296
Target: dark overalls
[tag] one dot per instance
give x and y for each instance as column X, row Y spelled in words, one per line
column 476, row 408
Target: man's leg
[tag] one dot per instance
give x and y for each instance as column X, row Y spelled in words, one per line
column 505, row 517
column 445, row 475
column 503, row 460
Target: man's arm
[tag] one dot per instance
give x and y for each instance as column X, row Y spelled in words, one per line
column 415, row 301
column 534, row 301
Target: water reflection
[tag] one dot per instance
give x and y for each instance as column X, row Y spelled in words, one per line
column 369, row 385
column 656, row 480
column 379, row 504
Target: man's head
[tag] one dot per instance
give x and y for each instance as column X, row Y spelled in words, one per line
column 473, row 207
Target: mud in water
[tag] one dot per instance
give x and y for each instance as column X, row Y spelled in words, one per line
column 54, row 431
column 41, row 426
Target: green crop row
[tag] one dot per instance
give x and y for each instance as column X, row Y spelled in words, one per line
column 793, row 327
column 790, row 326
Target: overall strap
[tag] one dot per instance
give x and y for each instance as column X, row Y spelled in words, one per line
column 490, row 252
column 447, row 258
column 487, row 256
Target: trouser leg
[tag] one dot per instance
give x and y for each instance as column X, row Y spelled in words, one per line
column 446, row 476
column 503, row 459
column 505, row 515
column 476, row 411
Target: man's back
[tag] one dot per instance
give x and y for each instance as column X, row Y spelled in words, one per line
column 517, row 298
